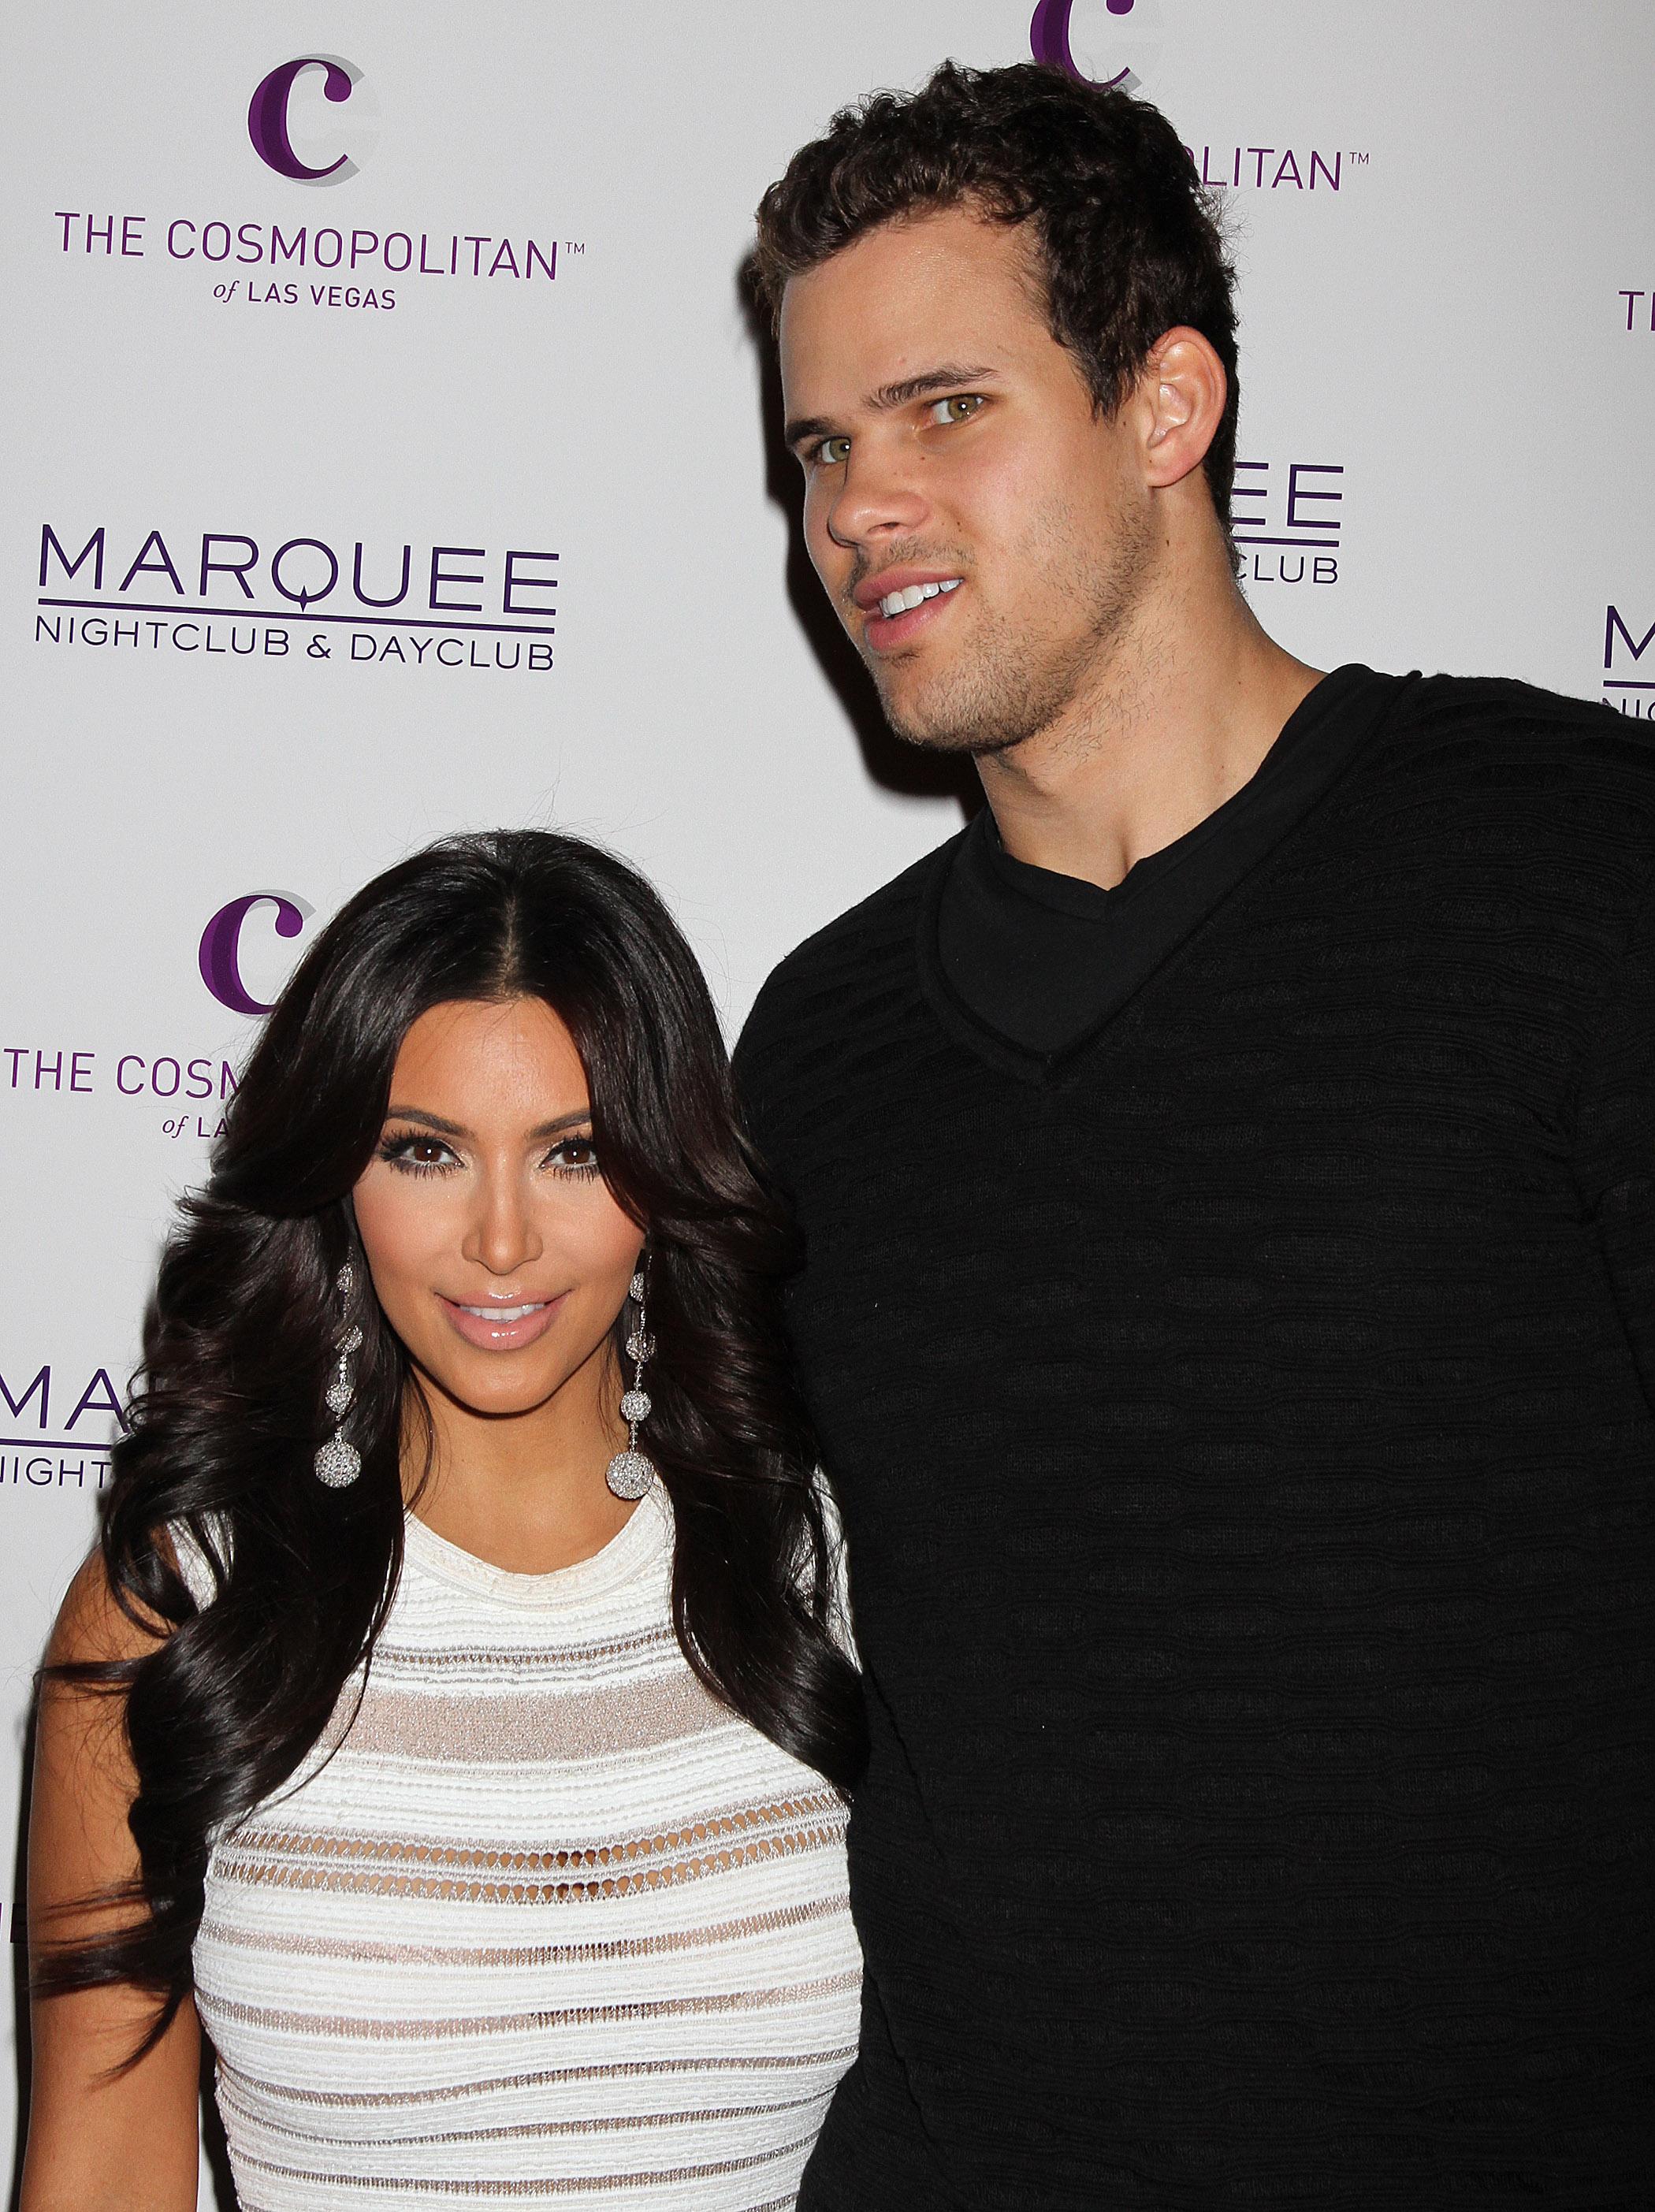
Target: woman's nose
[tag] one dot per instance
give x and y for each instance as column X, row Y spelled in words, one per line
column 504, row 1234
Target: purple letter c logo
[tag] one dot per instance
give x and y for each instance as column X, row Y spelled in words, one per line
column 1049, row 38
column 267, row 118
column 219, row 957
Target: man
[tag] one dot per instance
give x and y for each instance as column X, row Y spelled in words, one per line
column 1227, row 1179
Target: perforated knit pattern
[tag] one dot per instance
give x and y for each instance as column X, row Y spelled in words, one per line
column 549, row 1927
column 1243, row 1429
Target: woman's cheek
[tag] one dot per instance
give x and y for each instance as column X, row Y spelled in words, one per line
column 406, row 1234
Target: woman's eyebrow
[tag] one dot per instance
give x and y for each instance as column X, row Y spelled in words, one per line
column 426, row 1120
column 446, row 1128
column 574, row 1120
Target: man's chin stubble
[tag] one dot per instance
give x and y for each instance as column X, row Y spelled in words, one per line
column 980, row 726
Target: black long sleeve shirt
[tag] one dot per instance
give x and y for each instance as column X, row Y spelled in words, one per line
column 1243, row 1418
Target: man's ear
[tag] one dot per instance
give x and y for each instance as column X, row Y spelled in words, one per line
column 1179, row 404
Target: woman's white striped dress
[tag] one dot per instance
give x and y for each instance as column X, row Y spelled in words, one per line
column 544, row 1924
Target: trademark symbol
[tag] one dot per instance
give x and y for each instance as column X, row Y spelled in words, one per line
column 574, row 245
column 1357, row 160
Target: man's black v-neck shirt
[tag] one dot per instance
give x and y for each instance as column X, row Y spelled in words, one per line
column 1243, row 1421
column 1041, row 959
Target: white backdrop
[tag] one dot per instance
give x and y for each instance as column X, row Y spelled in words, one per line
column 1448, row 302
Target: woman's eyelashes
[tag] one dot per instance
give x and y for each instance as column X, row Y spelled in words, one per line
column 403, row 1151
column 565, row 1155
column 417, row 1151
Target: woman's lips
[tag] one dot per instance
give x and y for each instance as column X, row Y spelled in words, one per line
column 488, row 1328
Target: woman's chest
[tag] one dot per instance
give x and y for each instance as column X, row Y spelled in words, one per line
column 508, row 1870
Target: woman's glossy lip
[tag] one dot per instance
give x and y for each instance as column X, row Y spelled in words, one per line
column 490, row 1332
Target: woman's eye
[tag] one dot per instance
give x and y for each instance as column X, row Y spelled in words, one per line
column 575, row 1155
column 419, row 1155
column 959, row 407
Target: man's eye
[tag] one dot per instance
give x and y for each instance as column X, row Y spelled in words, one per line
column 959, row 407
column 830, row 453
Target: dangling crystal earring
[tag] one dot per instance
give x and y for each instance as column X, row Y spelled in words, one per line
column 630, row 1473
column 339, row 1462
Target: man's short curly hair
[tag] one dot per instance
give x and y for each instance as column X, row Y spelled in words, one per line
column 1128, row 243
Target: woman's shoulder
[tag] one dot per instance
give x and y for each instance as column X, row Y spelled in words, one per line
column 93, row 1628
column 97, row 1626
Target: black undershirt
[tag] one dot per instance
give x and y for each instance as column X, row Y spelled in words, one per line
column 1042, row 958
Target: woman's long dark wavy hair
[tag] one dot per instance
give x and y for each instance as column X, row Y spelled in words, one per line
column 227, row 1410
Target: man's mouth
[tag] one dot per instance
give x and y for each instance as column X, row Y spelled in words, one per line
column 899, row 603
column 900, row 606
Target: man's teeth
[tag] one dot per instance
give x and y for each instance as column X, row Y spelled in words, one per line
column 899, row 603
column 502, row 1313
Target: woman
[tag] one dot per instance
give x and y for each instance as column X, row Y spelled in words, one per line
column 451, row 1722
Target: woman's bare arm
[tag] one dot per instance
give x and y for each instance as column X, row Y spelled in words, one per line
column 98, row 2141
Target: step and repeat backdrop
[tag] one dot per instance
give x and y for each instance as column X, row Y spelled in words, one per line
column 389, row 452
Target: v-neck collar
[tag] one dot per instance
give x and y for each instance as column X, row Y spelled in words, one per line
column 1050, row 1070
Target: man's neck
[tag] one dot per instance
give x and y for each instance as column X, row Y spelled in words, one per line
column 1175, row 719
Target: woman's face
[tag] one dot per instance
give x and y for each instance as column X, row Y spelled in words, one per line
column 497, row 1252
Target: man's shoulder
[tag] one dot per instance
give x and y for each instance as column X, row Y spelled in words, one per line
column 1485, row 720
column 837, row 960
column 1485, row 770
column 829, row 985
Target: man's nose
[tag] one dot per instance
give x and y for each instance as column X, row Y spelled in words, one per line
column 879, row 494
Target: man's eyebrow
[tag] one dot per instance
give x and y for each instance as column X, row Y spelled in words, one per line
column 564, row 1121
column 947, row 376
column 805, row 426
